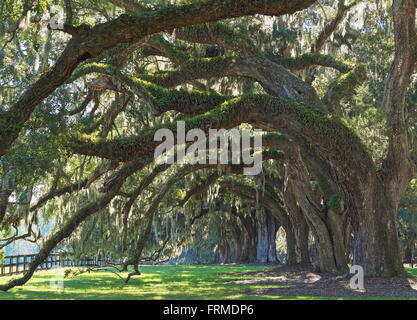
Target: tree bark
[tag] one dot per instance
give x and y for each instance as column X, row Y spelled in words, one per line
column 376, row 244
column 262, row 227
column 273, row 227
column 326, row 225
column 300, row 227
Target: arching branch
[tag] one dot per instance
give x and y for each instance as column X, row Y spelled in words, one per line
column 312, row 59
column 90, row 42
column 344, row 86
column 161, row 99
column 219, row 34
column 262, row 111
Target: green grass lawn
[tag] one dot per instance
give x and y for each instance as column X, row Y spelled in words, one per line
column 156, row 282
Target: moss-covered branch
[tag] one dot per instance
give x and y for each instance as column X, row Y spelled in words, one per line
column 89, row 42
column 219, row 34
column 174, row 52
column 344, row 86
column 161, row 99
column 195, row 69
column 326, row 132
column 312, row 59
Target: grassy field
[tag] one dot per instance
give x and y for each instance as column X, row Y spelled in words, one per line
column 156, row 282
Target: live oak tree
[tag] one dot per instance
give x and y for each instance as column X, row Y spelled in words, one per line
column 82, row 130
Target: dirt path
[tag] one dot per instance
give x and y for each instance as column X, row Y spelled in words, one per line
column 301, row 280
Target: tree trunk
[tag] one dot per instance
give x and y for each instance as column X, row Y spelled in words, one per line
column 226, row 252
column 250, row 242
column 267, row 229
column 262, row 245
column 291, row 246
column 245, row 248
column 272, row 233
column 300, row 227
column 301, row 237
column 325, row 224
column 238, row 243
column 376, row 244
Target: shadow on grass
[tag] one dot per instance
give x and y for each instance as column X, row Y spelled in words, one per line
column 156, row 282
